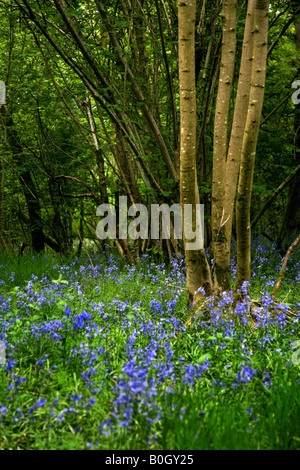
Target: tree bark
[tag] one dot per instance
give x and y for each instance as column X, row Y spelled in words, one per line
column 221, row 139
column 196, row 263
column 222, row 252
column 257, row 87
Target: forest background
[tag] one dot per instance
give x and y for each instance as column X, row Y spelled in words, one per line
column 92, row 112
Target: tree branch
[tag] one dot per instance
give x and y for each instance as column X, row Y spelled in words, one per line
column 274, row 195
column 283, row 267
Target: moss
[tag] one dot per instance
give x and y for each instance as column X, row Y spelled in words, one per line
column 221, row 236
column 219, row 270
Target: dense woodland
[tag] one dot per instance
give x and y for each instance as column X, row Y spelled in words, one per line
column 129, row 344
column 157, row 101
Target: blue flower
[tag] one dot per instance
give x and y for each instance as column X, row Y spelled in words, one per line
column 67, row 311
column 3, row 410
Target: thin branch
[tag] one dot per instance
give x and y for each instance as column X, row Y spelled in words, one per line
column 138, row 94
column 283, row 267
column 284, row 29
column 96, row 198
column 169, row 80
column 274, row 195
column 276, row 108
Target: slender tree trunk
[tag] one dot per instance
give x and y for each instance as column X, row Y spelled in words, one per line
column 35, row 225
column 146, row 111
column 220, row 139
column 125, row 165
column 98, row 151
column 257, row 88
column 222, row 253
column 196, row 263
column 59, row 226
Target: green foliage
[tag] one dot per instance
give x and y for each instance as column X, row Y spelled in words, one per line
column 46, row 108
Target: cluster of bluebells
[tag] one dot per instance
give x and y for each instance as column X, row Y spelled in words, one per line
column 136, row 346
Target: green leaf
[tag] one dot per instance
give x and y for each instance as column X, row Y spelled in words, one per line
column 204, row 358
column 59, row 281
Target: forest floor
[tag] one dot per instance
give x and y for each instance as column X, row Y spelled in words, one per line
column 103, row 357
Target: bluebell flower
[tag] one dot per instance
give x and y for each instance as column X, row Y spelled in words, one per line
column 3, row 410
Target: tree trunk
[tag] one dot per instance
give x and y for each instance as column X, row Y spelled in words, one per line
column 257, row 87
column 35, row 225
column 196, row 263
column 222, row 253
column 220, row 276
